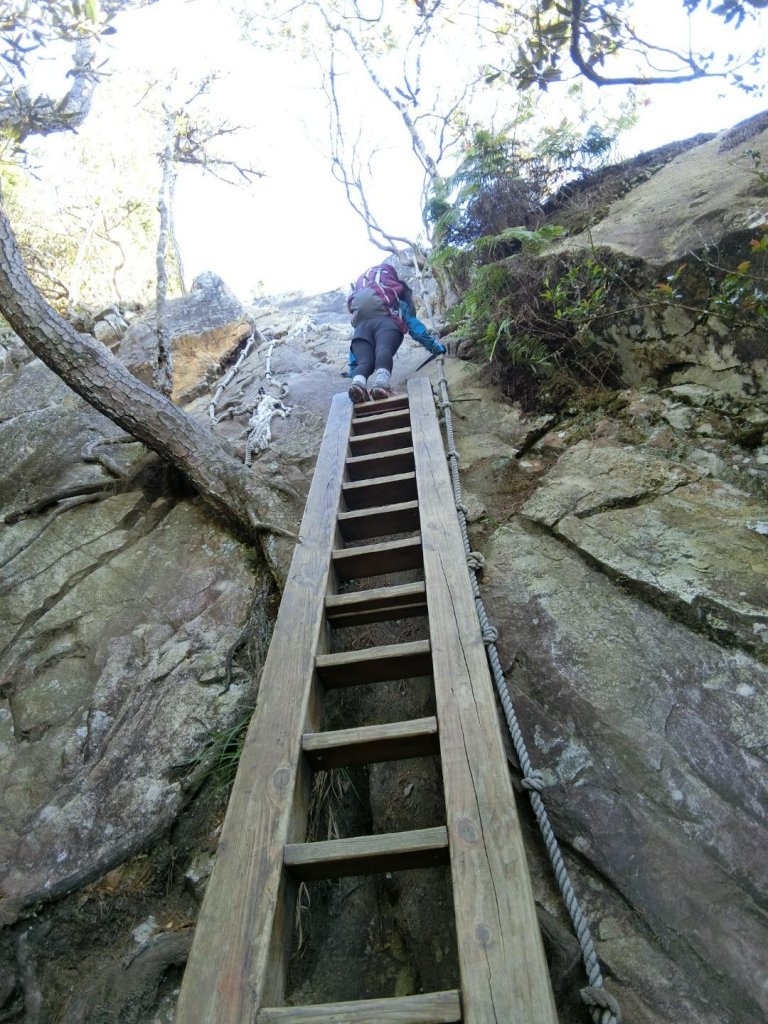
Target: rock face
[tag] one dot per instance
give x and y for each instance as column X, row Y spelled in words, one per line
column 693, row 545
column 203, row 326
column 626, row 545
column 627, row 579
column 112, row 672
column 702, row 196
column 694, row 217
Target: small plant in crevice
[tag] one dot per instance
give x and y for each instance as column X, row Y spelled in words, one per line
column 579, row 298
column 731, row 285
column 220, row 758
column 540, row 323
column 328, row 791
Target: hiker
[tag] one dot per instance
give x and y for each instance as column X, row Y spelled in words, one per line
column 382, row 312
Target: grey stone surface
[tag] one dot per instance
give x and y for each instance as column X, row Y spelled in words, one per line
column 44, row 428
column 118, row 621
column 653, row 741
column 691, row 544
column 678, row 209
column 591, row 477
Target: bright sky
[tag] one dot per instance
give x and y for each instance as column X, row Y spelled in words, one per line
column 293, row 229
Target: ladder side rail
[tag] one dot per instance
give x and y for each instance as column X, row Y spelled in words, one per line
column 231, row 970
column 504, row 976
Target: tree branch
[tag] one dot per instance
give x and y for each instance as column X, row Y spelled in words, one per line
column 93, row 372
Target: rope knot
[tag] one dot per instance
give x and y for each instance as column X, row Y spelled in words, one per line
column 534, row 780
column 445, row 403
column 453, row 454
column 597, row 998
column 461, row 507
column 490, row 635
column 475, row 560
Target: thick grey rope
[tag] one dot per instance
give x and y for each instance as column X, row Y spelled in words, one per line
column 603, row 1007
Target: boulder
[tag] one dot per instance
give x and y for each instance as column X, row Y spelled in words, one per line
column 203, row 326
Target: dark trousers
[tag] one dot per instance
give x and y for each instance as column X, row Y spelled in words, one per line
column 374, row 345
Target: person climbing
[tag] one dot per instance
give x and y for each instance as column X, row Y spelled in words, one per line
column 382, row 312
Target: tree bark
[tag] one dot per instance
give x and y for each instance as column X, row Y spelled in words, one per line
column 91, row 370
column 163, row 376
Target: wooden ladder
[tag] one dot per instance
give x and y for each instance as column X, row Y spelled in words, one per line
column 381, row 471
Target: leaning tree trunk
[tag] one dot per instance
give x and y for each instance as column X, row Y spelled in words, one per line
column 91, row 370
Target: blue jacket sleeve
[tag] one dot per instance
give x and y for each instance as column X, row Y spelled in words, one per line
column 419, row 332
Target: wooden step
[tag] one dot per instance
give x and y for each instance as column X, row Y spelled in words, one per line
column 368, row 855
column 376, row 605
column 383, row 490
column 380, row 406
column 364, row 467
column 375, row 664
column 363, row 524
column 382, row 441
column 371, row 744
column 426, row 1008
column 381, row 421
column 378, row 559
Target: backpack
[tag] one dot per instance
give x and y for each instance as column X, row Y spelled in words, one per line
column 377, row 293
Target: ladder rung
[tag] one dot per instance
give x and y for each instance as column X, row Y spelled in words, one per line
column 381, row 405
column 362, row 524
column 426, row 1008
column 376, row 605
column 384, row 441
column 364, row 467
column 383, row 490
column 375, row 664
column 371, row 744
column 368, row 855
column 378, row 559
column 381, row 421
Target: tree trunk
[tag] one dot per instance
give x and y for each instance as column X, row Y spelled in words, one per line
column 163, row 376
column 90, row 370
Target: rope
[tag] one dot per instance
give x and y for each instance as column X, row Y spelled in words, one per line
column 603, row 1007
column 229, row 376
column 260, row 424
column 259, row 430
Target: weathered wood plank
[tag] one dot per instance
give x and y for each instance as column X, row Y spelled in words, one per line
column 366, row 467
column 380, row 491
column 381, row 421
column 377, row 605
column 427, row 1008
column 365, row 524
column 378, row 559
column 368, row 855
column 375, row 664
column 504, row 978
column 370, row 744
column 381, row 405
column 383, row 441
column 226, row 978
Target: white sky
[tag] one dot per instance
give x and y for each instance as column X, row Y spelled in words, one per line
column 293, row 229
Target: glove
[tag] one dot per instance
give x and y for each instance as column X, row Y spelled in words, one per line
column 440, row 349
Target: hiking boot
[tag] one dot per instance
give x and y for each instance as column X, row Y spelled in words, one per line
column 358, row 394
column 378, row 392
